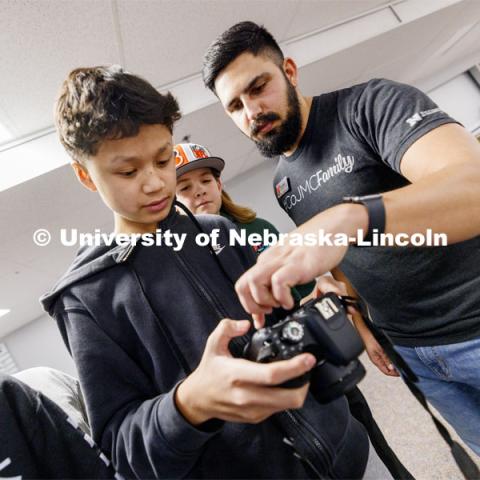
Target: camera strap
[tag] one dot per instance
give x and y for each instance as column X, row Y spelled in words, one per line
column 463, row 460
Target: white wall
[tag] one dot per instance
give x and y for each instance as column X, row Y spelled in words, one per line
column 39, row 344
column 460, row 98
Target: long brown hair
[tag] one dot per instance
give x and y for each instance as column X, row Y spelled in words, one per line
column 239, row 213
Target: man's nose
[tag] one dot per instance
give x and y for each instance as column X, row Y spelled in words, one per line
column 252, row 109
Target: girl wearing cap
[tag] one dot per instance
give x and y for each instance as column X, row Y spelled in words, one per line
column 200, row 188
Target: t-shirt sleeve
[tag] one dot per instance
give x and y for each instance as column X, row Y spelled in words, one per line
column 391, row 116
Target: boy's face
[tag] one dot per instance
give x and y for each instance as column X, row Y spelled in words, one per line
column 135, row 176
column 261, row 99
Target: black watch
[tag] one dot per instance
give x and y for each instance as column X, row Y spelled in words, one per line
column 376, row 213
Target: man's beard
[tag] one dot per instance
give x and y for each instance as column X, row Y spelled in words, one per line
column 282, row 138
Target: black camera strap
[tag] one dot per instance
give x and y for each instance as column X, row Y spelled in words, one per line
column 463, row 460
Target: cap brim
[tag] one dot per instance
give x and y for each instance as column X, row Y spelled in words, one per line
column 211, row 162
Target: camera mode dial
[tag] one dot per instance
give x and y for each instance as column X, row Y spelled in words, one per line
column 293, row 332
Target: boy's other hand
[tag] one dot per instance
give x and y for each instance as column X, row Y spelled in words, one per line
column 235, row 389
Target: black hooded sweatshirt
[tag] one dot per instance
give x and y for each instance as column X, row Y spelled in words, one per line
column 136, row 320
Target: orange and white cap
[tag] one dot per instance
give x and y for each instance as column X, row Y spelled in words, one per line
column 189, row 156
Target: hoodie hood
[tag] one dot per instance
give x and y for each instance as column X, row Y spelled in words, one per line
column 91, row 260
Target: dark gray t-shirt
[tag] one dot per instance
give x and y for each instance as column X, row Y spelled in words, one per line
column 353, row 144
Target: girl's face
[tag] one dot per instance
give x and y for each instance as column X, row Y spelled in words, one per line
column 200, row 191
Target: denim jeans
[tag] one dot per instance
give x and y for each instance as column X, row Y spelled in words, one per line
column 449, row 377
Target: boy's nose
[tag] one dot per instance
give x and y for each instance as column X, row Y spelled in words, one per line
column 152, row 182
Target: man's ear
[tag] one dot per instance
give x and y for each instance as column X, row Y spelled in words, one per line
column 291, row 71
column 219, row 183
column 83, row 176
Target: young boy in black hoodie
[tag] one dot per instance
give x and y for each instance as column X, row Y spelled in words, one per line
column 148, row 326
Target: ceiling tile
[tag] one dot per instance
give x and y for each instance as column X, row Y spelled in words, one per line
column 166, row 40
column 40, row 42
column 315, row 15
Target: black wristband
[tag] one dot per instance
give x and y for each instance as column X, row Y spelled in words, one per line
column 376, row 213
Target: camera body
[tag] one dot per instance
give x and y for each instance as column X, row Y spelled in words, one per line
column 322, row 328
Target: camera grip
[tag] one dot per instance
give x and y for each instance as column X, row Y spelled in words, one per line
column 296, row 382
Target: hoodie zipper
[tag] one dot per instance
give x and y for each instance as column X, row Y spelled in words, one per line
column 325, row 452
column 303, row 429
column 209, row 299
column 201, row 290
column 123, row 257
column 299, row 424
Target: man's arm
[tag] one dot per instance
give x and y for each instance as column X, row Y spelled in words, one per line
column 374, row 350
column 444, row 168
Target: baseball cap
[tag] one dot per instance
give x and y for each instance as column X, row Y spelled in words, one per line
column 189, row 156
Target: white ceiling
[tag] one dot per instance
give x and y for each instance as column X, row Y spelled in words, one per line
column 164, row 41
column 338, row 42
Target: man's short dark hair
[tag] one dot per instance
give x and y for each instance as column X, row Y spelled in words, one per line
column 106, row 103
column 242, row 37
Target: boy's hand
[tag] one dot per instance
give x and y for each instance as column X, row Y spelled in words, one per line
column 235, row 389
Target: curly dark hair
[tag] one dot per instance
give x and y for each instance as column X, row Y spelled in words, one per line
column 240, row 38
column 106, row 103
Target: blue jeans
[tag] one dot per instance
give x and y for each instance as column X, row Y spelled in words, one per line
column 449, row 377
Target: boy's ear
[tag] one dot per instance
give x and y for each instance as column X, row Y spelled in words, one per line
column 83, row 176
column 219, row 183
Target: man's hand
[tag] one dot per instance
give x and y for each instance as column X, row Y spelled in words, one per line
column 235, row 389
column 268, row 283
column 325, row 284
column 374, row 350
column 376, row 353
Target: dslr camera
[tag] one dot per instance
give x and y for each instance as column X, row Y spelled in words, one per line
column 322, row 328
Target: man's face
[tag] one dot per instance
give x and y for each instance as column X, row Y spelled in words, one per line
column 259, row 97
column 135, row 176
